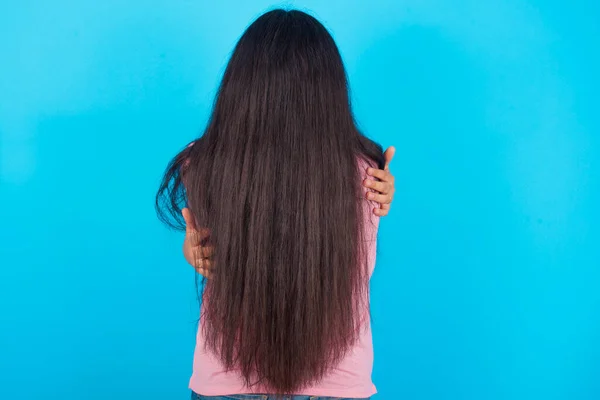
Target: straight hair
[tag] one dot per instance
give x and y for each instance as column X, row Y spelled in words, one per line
column 276, row 178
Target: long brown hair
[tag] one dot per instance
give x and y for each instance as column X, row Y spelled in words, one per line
column 276, row 179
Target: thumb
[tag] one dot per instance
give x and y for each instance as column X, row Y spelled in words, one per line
column 388, row 155
column 190, row 224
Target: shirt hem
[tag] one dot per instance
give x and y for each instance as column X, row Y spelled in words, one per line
column 216, row 391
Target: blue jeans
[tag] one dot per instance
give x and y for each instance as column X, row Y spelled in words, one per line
column 196, row 396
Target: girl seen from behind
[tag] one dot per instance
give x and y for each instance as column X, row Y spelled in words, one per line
column 277, row 216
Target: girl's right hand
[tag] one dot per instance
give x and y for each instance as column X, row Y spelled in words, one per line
column 197, row 254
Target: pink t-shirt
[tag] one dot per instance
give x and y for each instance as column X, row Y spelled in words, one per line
column 351, row 378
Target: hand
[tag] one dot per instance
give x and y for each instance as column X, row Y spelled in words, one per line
column 196, row 252
column 383, row 190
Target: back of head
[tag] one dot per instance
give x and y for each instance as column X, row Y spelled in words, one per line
column 276, row 179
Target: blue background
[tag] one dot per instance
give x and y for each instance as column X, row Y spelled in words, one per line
column 488, row 281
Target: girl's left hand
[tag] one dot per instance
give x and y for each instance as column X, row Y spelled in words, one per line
column 195, row 249
column 382, row 190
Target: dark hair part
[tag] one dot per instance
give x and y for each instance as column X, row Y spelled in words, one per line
column 276, row 178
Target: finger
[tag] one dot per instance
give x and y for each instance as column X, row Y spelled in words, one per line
column 379, row 198
column 190, row 224
column 388, row 155
column 205, row 252
column 380, row 212
column 382, row 187
column 205, row 263
column 381, row 174
column 202, row 253
column 196, row 238
column 203, row 233
column 204, row 272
